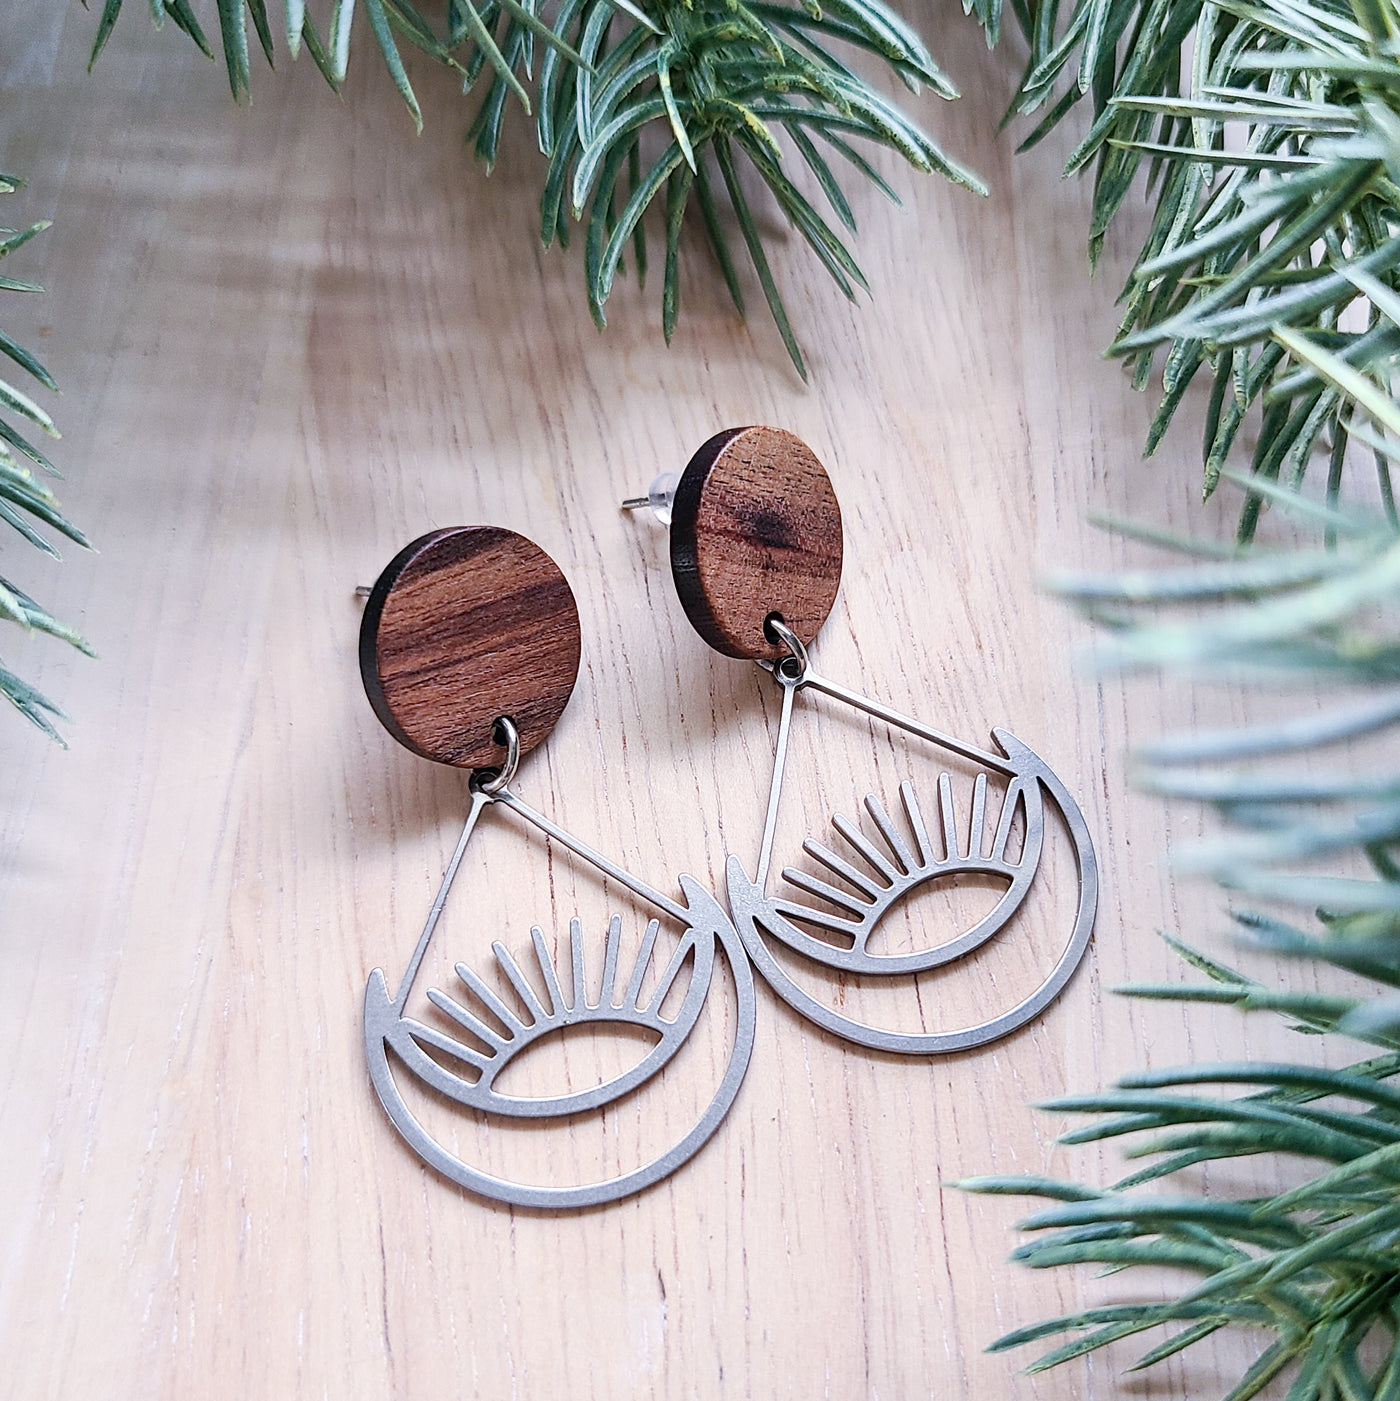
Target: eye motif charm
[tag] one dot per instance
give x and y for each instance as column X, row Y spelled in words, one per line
column 757, row 546
column 397, row 1044
column 410, row 1040
column 899, row 869
column 875, row 874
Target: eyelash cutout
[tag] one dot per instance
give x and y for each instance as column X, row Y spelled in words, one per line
column 893, row 869
column 411, row 1039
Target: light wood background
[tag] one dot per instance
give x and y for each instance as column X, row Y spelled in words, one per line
column 292, row 338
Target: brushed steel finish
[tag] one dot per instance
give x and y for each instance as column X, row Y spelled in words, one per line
column 392, row 1038
column 865, row 886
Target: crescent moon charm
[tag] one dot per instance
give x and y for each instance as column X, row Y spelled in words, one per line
column 399, row 1047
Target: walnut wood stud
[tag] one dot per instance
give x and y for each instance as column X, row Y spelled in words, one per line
column 466, row 625
column 755, row 530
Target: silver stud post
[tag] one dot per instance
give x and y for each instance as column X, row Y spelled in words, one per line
column 659, row 498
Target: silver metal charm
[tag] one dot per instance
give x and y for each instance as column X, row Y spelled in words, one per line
column 394, row 1039
column 877, row 876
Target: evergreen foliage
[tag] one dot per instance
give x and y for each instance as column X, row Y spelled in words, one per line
column 1269, row 137
column 642, row 102
column 26, row 501
column 1267, row 131
column 1317, row 1266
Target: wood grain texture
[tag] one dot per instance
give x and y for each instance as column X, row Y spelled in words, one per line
column 466, row 625
column 292, row 338
column 755, row 530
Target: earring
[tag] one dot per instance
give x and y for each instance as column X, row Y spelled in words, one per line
column 469, row 650
column 756, row 553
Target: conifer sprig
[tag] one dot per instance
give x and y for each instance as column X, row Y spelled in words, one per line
column 27, row 504
column 1316, row 1266
column 1274, row 187
column 642, row 103
column 713, row 84
column 388, row 21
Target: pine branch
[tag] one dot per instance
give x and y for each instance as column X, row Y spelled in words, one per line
column 702, row 88
column 718, row 85
column 1318, row 1266
column 639, row 101
column 26, row 502
column 1273, row 175
column 466, row 25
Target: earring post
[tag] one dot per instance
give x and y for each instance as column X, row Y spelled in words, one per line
column 660, row 494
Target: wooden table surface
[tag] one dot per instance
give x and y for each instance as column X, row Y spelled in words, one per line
column 292, row 338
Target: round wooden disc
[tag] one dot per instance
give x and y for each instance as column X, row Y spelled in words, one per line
column 466, row 625
column 755, row 530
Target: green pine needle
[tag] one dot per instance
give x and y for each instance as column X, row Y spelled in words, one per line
column 1272, row 171
column 27, row 504
column 1318, row 1265
column 722, row 81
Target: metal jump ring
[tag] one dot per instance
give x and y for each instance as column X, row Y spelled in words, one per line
column 796, row 647
column 491, row 782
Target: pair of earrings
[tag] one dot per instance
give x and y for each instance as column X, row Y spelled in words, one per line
column 469, row 650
